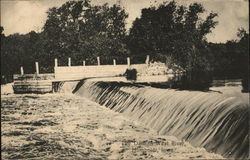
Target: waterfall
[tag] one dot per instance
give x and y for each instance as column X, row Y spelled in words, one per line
column 217, row 122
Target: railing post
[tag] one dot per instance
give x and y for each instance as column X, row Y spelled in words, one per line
column 69, row 61
column 83, row 63
column 98, row 61
column 114, row 62
column 21, row 69
column 128, row 61
column 37, row 68
column 56, row 62
column 147, row 60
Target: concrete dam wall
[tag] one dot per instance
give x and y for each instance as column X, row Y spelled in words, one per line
column 211, row 120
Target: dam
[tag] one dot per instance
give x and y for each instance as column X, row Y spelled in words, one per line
column 215, row 121
column 149, row 122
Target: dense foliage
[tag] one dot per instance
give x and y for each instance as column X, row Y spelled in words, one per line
column 231, row 59
column 177, row 34
column 173, row 32
column 169, row 33
column 83, row 32
column 77, row 29
column 19, row 50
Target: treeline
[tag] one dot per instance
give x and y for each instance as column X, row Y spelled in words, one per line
column 230, row 60
column 169, row 33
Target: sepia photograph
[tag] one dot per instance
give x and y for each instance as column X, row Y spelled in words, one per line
column 125, row 79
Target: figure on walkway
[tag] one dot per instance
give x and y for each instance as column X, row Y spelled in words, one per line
column 131, row 74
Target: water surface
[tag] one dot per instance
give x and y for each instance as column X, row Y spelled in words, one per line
column 63, row 126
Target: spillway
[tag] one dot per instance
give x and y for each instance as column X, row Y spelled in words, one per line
column 217, row 122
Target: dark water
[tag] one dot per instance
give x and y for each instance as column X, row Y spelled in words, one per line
column 217, row 121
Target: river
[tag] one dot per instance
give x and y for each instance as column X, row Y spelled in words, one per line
column 65, row 126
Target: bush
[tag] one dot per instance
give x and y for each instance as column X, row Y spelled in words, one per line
column 245, row 84
column 199, row 80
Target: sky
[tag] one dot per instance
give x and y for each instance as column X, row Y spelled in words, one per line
column 23, row 16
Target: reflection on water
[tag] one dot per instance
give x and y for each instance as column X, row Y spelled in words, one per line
column 54, row 126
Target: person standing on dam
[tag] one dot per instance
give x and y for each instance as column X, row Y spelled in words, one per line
column 131, row 74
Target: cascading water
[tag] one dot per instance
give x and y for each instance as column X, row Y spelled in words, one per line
column 214, row 121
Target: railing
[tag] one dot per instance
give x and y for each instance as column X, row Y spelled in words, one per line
column 78, row 72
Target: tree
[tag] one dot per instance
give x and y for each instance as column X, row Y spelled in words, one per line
column 1, row 31
column 175, row 31
column 21, row 50
column 77, row 30
column 82, row 31
column 243, row 58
